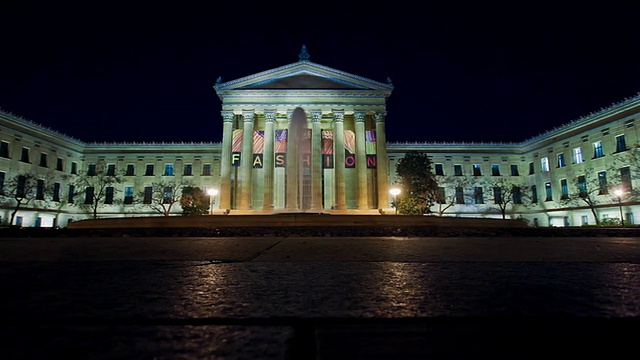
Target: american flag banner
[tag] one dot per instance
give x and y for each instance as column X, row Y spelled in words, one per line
column 236, row 144
column 258, row 141
column 281, row 141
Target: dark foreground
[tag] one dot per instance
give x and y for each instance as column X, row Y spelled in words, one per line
column 319, row 297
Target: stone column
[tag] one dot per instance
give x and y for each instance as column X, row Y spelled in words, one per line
column 382, row 170
column 270, row 117
column 361, row 161
column 292, row 165
column 246, row 160
column 225, row 160
column 316, row 161
column 338, row 161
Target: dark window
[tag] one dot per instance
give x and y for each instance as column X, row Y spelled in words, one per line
column 441, row 195
column 517, row 195
column 2, row 174
column 128, row 195
column 43, row 160
column 497, row 195
column 548, row 191
column 582, row 186
column 564, row 189
column 4, row 149
column 495, row 170
column 561, row 162
column 188, row 170
column 88, row 195
column 149, row 170
column 167, row 194
column 21, row 186
column 478, row 197
column 148, row 193
column 56, row 192
column 74, row 168
column 477, row 170
column 108, row 195
column 439, row 169
column 91, row 170
column 111, row 170
column 459, row 195
column 39, row 189
column 59, row 164
column 534, row 194
column 24, row 157
column 602, row 183
column 130, row 170
column 531, row 169
column 206, row 169
column 597, row 150
column 514, row 170
column 625, row 178
column 71, row 195
column 621, row 144
column 457, row 170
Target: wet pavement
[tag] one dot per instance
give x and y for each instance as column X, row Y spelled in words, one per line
column 319, row 298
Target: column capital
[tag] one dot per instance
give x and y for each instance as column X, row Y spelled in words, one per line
column 338, row 115
column 316, row 116
column 247, row 115
column 359, row 115
column 269, row 116
column 380, row 116
column 227, row 116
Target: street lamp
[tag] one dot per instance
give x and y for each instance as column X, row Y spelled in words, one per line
column 212, row 194
column 395, row 192
column 619, row 193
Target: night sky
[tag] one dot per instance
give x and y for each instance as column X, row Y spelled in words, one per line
column 462, row 70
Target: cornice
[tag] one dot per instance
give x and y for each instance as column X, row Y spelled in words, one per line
column 35, row 127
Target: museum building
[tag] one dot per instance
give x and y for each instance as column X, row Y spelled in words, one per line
column 309, row 138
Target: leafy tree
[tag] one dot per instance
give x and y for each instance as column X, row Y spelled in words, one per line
column 164, row 195
column 506, row 193
column 194, row 201
column 98, row 185
column 418, row 183
column 19, row 191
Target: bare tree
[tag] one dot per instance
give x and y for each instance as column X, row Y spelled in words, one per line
column 98, row 187
column 506, row 194
column 586, row 190
column 460, row 195
column 163, row 195
column 19, row 191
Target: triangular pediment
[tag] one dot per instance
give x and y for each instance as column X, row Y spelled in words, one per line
column 303, row 75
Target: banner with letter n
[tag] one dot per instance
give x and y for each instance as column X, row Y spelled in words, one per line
column 370, row 148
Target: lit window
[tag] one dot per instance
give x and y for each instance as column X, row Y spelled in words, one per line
column 597, row 150
column 544, row 164
column 548, row 191
column 477, row 170
column 168, row 169
column 128, row 195
column 167, row 194
column 621, row 144
column 582, row 185
column 577, row 156
column 561, row 160
column 495, row 170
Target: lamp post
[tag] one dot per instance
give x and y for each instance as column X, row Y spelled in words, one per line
column 395, row 192
column 619, row 193
column 212, row 194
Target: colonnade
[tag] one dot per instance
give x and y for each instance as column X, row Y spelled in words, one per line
column 246, row 120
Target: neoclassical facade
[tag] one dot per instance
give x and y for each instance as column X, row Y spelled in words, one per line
column 309, row 138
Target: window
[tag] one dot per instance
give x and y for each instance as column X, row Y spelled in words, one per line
column 582, row 186
column 148, row 192
column 544, row 164
column 148, row 170
column 131, row 170
column 625, row 178
column 108, row 195
column 585, row 220
column 477, row 171
column 457, row 170
column 72, row 194
column 55, row 196
column 21, row 186
column 597, row 150
column 514, row 170
column 441, row 195
column 577, row 156
column 548, row 191
column 602, row 183
column 531, row 169
column 517, row 195
column 561, row 160
column 88, row 195
column 459, row 195
column 497, row 195
column 439, row 169
column 534, row 194
column 59, row 164
column 111, row 169
column 43, row 160
column 128, row 195
column 91, row 170
column 621, row 144
column 24, row 157
column 206, row 169
column 2, row 175
column 495, row 170
column 39, row 189
column 188, row 170
column 4, row 149
column 168, row 170
column 167, row 194
column 564, row 189
column 74, row 168
column 477, row 195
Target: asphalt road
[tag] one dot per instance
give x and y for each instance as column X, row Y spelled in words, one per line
column 319, row 298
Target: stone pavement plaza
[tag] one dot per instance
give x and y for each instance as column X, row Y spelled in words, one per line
column 319, row 297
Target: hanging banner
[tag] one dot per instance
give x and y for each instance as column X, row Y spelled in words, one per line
column 280, row 148
column 236, row 147
column 258, row 149
column 350, row 149
column 327, row 149
column 370, row 148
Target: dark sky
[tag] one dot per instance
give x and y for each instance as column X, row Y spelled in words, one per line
column 462, row 70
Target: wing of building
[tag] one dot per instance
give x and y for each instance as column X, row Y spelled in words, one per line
column 307, row 137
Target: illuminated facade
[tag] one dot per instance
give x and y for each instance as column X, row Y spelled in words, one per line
column 306, row 137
